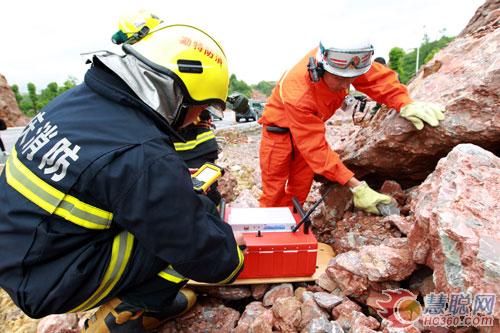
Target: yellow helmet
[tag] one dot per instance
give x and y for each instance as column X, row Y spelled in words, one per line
column 191, row 57
column 134, row 26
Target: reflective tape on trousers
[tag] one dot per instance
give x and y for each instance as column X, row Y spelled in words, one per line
column 171, row 275
column 120, row 255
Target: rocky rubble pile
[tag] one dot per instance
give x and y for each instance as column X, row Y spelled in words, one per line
column 452, row 235
column 281, row 308
column 448, row 242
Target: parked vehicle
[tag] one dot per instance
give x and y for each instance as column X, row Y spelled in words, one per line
column 249, row 115
column 257, row 106
column 214, row 117
column 241, row 106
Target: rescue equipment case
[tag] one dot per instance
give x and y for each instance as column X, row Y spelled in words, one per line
column 275, row 253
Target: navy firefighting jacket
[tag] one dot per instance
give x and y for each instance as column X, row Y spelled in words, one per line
column 93, row 175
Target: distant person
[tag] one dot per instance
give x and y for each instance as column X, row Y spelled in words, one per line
column 380, row 60
column 293, row 146
column 3, row 127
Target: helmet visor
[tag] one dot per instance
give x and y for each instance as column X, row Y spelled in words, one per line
column 216, row 110
column 346, row 62
column 343, row 59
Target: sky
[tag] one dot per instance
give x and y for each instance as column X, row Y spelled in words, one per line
column 42, row 40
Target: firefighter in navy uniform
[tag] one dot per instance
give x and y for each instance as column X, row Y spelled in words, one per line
column 200, row 146
column 97, row 208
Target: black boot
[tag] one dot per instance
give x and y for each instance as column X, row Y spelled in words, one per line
column 182, row 303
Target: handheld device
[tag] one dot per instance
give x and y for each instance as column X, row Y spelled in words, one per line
column 206, row 175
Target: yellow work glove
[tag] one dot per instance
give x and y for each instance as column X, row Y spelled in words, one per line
column 415, row 112
column 367, row 199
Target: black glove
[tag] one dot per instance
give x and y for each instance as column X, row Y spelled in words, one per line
column 208, row 204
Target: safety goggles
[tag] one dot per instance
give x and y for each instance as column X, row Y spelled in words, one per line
column 344, row 59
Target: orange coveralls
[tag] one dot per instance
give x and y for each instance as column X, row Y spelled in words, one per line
column 303, row 108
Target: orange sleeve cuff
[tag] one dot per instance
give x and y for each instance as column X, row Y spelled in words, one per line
column 342, row 174
column 401, row 101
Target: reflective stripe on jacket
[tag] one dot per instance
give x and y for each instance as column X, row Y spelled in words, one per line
column 51, row 199
column 199, row 143
column 196, row 142
column 93, row 175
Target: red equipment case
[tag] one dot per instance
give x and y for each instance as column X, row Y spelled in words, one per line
column 278, row 254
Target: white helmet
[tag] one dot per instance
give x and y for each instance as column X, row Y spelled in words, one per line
column 347, row 59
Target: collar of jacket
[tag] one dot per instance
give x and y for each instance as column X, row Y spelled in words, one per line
column 159, row 91
column 326, row 95
column 105, row 82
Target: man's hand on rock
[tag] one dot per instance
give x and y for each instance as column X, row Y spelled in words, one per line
column 367, row 199
column 418, row 112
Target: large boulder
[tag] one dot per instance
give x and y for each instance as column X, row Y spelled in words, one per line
column 287, row 314
column 336, row 204
column 391, row 262
column 465, row 78
column 9, row 111
column 487, row 13
column 277, row 292
column 248, row 320
column 457, row 230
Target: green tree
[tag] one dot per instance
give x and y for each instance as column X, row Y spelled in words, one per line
column 68, row 84
column 408, row 66
column 48, row 94
column 396, row 60
column 17, row 94
column 426, row 51
column 31, row 102
column 33, row 96
column 236, row 85
column 431, row 55
column 425, row 39
column 265, row 87
column 26, row 106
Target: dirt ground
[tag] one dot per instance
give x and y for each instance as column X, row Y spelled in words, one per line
column 12, row 319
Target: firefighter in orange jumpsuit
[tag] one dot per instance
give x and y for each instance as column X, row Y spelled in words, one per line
column 293, row 146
